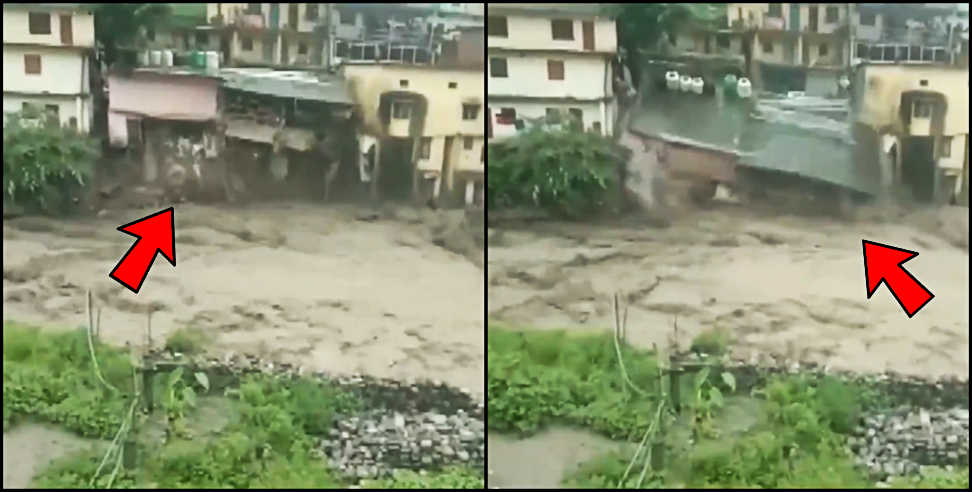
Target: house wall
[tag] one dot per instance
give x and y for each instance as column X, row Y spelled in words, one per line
column 255, row 55
column 444, row 114
column 529, row 32
column 585, row 76
column 16, row 27
column 956, row 160
column 779, row 48
column 867, row 33
column 757, row 14
column 879, row 87
column 186, row 98
column 68, row 107
column 592, row 111
column 63, row 71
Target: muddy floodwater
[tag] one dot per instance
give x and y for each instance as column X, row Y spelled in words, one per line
column 783, row 285
column 395, row 293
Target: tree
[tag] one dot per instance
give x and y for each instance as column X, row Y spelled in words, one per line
column 642, row 26
column 44, row 165
column 119, row 24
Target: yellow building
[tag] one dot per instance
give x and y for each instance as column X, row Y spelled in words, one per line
column 429, row 118
column 916, row 117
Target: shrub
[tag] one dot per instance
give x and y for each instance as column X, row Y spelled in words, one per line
column 564, row 171
column 44, row 167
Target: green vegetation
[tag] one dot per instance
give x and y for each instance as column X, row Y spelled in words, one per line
column 267, row 442
column 564, row 171
column 187, row 340
column 795, row 438
column 45, row 165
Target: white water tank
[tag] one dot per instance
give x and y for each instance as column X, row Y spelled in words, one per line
column 844, row 82
column 697, row 85
column 167, row 58
column 212, row 60
column 671, row 80
column 155, row 58
column 685, row 83
column 744, row 88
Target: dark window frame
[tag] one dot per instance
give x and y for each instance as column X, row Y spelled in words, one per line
column 37, row 22
column 468, row 143
column 566, row 29
column 494, row 63
column 493, row 26
column 470, row 112
column 555, row 66
column 831, row 14
column 29, row 59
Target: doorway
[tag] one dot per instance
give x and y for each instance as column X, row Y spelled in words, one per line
column 814, row 18
column 918, row 167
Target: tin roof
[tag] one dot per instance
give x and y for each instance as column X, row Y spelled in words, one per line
column 290, row 84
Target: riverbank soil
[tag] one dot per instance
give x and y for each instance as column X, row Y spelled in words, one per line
column 396, row 292
column 779, row 284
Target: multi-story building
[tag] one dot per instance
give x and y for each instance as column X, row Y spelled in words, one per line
column 271, row 34
column 550, row 61
column 47, row 50
column 795, row 47
column 424, row 120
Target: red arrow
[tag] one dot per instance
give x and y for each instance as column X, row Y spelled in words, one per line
column 882, row 263
column 156, row 234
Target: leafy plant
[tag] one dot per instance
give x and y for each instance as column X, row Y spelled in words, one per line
column 187, row 340
column 713, row 341
column 45, row 167
column 562, row 170
column 450, row 478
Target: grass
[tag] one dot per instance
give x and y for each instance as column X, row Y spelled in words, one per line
column 537, row 378
column 48, row 376
column 187, row 340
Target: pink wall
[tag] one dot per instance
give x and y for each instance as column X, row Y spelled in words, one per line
column 164, row 96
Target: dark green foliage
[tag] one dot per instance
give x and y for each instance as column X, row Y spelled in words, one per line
column 562, row 170
column 45, row 166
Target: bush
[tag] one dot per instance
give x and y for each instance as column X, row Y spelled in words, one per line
column 564, row 171
column 44, row 167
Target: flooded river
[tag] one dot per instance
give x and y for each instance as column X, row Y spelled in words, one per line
column 394, row 294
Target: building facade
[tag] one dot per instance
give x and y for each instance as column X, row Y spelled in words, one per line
column 550, row 63
column 46, row 61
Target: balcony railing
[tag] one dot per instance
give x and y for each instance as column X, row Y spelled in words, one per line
column 902, row 53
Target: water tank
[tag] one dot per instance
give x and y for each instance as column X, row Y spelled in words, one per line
column 685, row 83
column 744, row 88
column 155, row 58
column 697, row 85
column 198, row 59
column 167, row 58
column 844, row 82
column 212, row 60
column 671, row 80
column 143, row 58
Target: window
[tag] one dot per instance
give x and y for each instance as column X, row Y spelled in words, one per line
column 923, row 82
column 922, row 109
column 425, row 147
column 253, row 8
column 496, row 26
column 767, row 47
column 577, row 115
column 553, row 116
column 453, row 85
column 562, row 29
column 403, row 83
column 555, row 70
column 53, row 113
column 32, row 64
column 401, row 110
column 202, row 39
column 301, row 48
column 868, row 19
column 507, row 116
column 775, row 10
column 247, row 43
column 497, row 68
column 470, row 111
column 832, row 15
column 823, row 49
column 722, row 40
column 467, row 143
column 946, row 146
column 312, row 12
column 347, row 18
column 39, row 22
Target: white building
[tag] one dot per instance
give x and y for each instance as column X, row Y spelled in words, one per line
column 550, row 60
column 45, row 60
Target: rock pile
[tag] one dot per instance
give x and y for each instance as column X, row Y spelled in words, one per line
column 900, row 442
column 377, row 442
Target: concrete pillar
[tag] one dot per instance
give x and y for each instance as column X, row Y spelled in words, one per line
column 278, row 49
column 470, row 192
